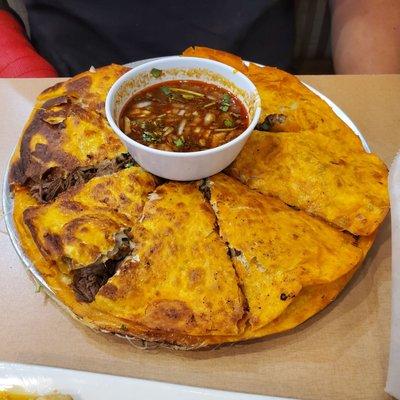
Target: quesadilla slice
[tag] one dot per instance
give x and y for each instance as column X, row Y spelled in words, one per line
column 277, row 250
column 87, row 230
column 310, row 300
column 180, row 278
column 67, row 140
column 306, row 304
column 317, row 174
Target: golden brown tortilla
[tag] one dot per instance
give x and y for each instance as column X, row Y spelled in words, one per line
column 316, row 173
column 82, row 225
column 277, row 250
column 180, row 277
column 67, row 139
column 314, row 161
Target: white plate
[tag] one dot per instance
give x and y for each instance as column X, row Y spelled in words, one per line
column 91, row 386
column 8, row 200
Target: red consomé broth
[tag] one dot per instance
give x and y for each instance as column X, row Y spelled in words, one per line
column 183, row 116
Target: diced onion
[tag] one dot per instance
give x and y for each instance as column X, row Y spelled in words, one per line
column 168, row 130
column 209, row 117
column 181, row 126
column 127, row 125
column 143, row 104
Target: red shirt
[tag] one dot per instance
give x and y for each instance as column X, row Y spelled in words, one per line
column 18, row 59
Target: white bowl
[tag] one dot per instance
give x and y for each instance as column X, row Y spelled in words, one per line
column 183, row 166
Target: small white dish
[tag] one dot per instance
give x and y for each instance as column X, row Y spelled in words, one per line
column 83, row 385
column 183, row 166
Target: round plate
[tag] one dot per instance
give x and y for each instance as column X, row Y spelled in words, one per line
column 8, row 200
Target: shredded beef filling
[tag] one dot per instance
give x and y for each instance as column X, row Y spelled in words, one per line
column 271, row 120
column 87, row 281
column 56, row 180
column 205, row 189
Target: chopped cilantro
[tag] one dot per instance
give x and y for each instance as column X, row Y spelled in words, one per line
column 156, row 72
column 179, row 142
column 228, row 123
column 149, row 137
column 166, row 90
column 225, row 102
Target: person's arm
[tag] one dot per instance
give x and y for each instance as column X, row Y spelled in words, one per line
column 18, row 59
column 366, row 36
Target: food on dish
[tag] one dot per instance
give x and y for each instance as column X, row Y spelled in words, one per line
column 315, row 172
column 87, row 90
column 180, row 278
column 276, row 250
column 217, row 55
column 183, row 116
column 176, row 165
column 67, row 140
column 309, row 159
column 88, row 230
column 225, row 259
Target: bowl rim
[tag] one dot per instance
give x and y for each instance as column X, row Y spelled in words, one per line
column 166, row 153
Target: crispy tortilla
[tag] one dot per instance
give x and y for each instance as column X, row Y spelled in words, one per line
column 308, row 302
column 87, row 89
column 81, row 226
column 216, row 55
column 318, row 164
column 142, row 299
column 67, row 139
column 316, row 173
column 277, row 250
column 180, row 278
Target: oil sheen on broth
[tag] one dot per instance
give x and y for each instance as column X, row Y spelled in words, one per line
column 183, row 116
